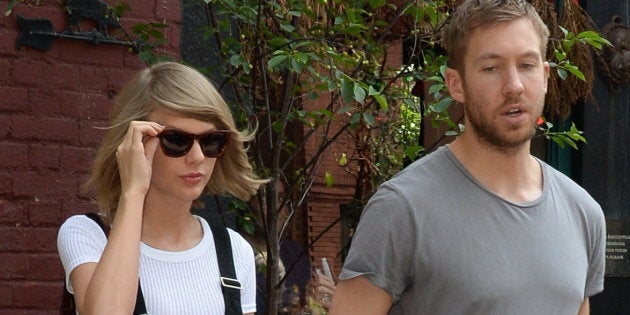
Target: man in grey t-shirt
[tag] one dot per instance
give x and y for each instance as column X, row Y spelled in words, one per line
column 480, row 226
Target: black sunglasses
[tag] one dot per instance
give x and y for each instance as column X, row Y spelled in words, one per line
column 177, row 143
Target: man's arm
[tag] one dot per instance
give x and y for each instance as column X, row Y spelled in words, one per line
column 585, row 308
column 359, row 296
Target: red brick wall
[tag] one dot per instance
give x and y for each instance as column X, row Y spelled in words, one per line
column 50, row 103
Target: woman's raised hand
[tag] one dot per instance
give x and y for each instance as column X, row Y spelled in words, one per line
column 135, row 155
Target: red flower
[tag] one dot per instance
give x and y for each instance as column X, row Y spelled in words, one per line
column 540, row 121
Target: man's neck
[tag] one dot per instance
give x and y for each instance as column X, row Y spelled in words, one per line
column 512, row 174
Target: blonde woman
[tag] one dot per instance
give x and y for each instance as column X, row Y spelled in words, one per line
column 172, row 138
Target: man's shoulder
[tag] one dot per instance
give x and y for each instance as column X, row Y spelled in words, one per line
column 562, row 185
column 559, row 180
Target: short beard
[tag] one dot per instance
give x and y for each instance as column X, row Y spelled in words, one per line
column 492, row 136
column 494, row 140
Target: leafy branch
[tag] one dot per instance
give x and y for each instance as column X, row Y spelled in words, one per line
column 569, row 137
column 562, row 64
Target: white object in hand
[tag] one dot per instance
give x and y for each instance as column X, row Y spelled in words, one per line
column 326, row 268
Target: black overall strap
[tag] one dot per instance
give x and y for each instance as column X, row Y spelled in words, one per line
column 140, row 306
column 230, row 285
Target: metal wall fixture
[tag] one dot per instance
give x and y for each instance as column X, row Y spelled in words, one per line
column 614, row 62
column 39, row 33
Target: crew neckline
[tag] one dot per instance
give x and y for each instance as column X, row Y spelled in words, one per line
column 183, row 255
column 448, row 153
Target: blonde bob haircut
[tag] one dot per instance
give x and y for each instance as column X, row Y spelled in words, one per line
column 182, row 91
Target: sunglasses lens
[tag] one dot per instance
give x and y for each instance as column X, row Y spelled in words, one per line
column 213, row 144
column 175, row 144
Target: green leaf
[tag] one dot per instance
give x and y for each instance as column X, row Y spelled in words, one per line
column 278, row 41
column 413, row 151
column 369, row 118
column 147, row 56
column 331, row 86
column 346, row 90
column 238, row 204
column 246, row 67
column 10, row 6
column 451, row 124
column 345, row 109
column 297, row 66
column 120, row 9
column 595, row 44
column 295, row 13
column 355, row 118
column 382, row 102
column 558, row 141
column 589, row 35
column 275, row 61
column 302, row 57
column 328, row 179
column 593, row 38
column 287, row 28
column 560, row 55
column 343, row 160
column 277, row 126
column 323, row 112
column 236, row 60
column 567, row 44
column 156, row 34
column 443, row 72
column 248, row 227
column 359, row 93
column 570, row 142
column 562, row 73
column 435, row 88
column 313, row 95
column 576, row 72
column 289, row 146
column 576, row 136
column 442, row 105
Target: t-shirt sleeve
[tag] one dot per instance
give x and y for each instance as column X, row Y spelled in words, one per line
column 382, row 247
column 597, row 261
column 80, row 240
column 246, row 273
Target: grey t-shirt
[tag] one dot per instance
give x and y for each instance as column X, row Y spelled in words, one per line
column 440, row 243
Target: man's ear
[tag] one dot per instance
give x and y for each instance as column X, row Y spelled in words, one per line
column 454, row 85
